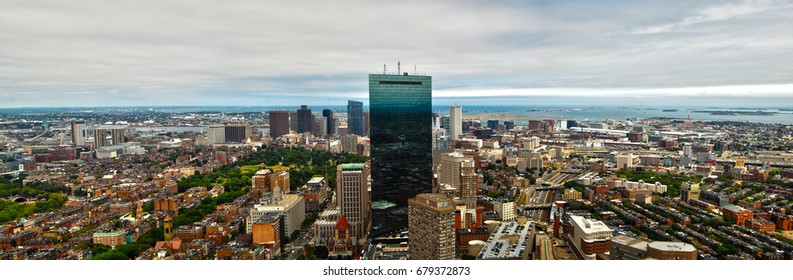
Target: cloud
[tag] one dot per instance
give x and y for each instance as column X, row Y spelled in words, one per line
column 55, row 53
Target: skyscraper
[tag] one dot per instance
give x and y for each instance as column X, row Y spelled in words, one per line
column 237, row 133
column 79, row 133
column 304, row 121
column 431, row 227
column 279, row 123
column 355, row 117
column 293, row 121
column 328, row 114
column 401, row 146
column 455, row 122
column 353, row 198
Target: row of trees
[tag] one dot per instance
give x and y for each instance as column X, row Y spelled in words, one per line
column 11, row 210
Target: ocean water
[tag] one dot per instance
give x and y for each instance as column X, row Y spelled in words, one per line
column 522, row 114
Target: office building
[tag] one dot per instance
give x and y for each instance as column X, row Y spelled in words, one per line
column 352, row 184
column 450, row 169
column 293, row 121
column 321, row 126
column 431, row 227
column 304, row 120
column 111, row 238
column 237, row 133
column 79, row 133
column 349, row 143
column 509, row 125
column 279, row 123
column 455, row 122
column 401, row 145
column 355, row 117
column 291, row 206
column 108, row 137
column 588, row 237
column 216, row 134
column 689, row 191
column 329, row 121
column 268, row 230
column 492, row 124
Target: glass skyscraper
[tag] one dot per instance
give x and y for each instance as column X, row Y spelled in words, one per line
column 355, row 117
column 401, row 138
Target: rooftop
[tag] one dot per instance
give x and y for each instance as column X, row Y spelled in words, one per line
column 508, row 241
column 672, row 246
column 350, row 166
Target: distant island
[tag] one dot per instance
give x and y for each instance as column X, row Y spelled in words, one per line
column 670, row 110
column 736, row 113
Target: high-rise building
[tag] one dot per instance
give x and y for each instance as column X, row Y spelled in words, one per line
column 237, row 133
column 355, row 117
column 450, row 169
column 101, row 138
column 79, row 133
column 366, row 123
column 468, row 191
column 293, row 121
column 588, row 237
column 431, row 227
column 455, row 122
column 509, row 125
column 492, row 124
column 349, row 143
column 279, row 123
column 304, row 121
column 216, row 134
column 118, row 134
column 401, row 146
column 322, row 126
column 330, row 121
column 352, row 184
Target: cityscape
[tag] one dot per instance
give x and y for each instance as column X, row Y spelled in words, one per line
column 398, row 180
column 363, row 134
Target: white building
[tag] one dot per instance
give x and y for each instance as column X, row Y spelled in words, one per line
column 455, row 122
column 589, row 236
column 292, row 207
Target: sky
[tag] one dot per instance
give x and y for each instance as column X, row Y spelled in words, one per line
column 283, row 53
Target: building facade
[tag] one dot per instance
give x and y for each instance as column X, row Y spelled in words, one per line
column 355, row 117
column 279, row 123
column 401, row 146
column 431, row 227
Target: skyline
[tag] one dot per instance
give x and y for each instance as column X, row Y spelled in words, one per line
column 165, row 54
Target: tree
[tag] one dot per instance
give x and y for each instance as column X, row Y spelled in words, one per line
column 321, row 252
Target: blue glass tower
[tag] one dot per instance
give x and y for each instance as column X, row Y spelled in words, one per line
column 401, row 138
column 355, row 117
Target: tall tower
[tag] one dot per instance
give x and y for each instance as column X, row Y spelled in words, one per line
column 455, row 122
column 328, row 114
column 279, row 123
column 431, row 227
column 353, row 197
column 355, row 117
column 401, row 146
column 167, row 228
column 304, row 122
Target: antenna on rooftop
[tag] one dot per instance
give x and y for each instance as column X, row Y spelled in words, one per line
column 414, row 70
column 383, row 69
column 399, row 68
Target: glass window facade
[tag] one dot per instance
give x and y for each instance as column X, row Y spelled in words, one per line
column 401, row 152
column 355, row 117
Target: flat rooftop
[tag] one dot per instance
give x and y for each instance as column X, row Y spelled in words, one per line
column 672, row 246
column 508, row 241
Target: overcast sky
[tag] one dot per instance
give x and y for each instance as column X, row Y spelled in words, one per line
column 87, row 53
